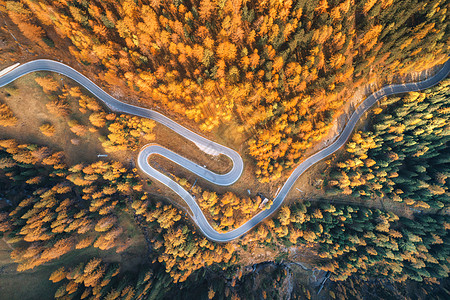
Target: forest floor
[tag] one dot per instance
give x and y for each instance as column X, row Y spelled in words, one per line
column 27, row 100
column 35, row 283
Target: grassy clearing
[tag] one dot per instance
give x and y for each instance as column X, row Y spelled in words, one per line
column 27, row 100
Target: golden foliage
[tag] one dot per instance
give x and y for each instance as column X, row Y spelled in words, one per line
column 47, row 83
column 7, row 117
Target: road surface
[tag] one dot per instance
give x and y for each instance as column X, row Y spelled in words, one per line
column 212, row 147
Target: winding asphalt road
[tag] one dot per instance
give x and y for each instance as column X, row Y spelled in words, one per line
column 212, row 147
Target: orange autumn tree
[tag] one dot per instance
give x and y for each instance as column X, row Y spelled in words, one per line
column 182, row 251
column 7, row 117
column 47, row 129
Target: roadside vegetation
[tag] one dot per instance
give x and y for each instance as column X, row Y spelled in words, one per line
column 269, row 78
column 275, row 73
column 56, row 208
column 225, row 211
column 404, row 157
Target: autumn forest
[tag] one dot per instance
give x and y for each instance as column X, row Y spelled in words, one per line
column 275, row 81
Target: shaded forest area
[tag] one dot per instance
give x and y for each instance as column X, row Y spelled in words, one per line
column 274, row 72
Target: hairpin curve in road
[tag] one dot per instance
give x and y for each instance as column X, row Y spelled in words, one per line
column 10, row 74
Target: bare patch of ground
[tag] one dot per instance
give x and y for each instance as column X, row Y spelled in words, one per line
column 256, row 255
column 167, row 138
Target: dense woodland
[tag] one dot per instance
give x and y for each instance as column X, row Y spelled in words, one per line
column 387, row 289
column 63, row 205
column 275, row 72
column 404, row 156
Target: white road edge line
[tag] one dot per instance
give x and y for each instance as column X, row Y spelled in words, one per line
column 8, row 69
